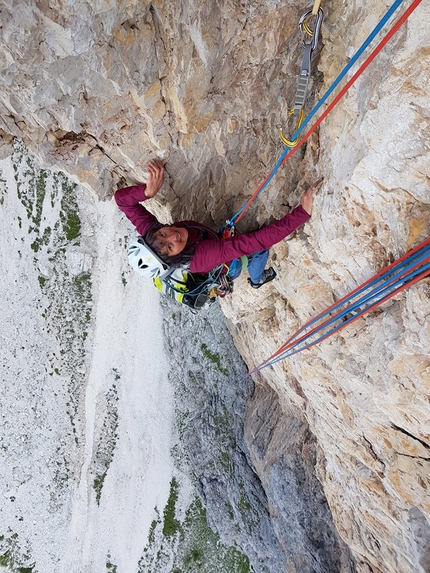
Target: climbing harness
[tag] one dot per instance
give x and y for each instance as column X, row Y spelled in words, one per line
column 195, row 290
column 191, row 289
column 309, row 44
column 401, row 274
column 290, row 152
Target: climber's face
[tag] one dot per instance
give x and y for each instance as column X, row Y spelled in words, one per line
column 172, row 240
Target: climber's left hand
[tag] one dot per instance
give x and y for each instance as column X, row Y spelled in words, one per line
column 307, row 200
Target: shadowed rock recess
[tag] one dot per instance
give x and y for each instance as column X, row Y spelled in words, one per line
column 259, row 488
column 96, row 89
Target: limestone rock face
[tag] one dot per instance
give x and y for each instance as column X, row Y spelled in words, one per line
column 365, row 391
column 267, row 500
column 99, row 88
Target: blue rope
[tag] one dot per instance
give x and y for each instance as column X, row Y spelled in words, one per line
column 403, row 274
column 394, row 272
column 293, row 350
column 346, row 69
column 275, row 169
column 379, row 293
column 213, row 276
column 342, row 74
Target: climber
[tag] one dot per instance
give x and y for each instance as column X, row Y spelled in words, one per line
column 187, row 243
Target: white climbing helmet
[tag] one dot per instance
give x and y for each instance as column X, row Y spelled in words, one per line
column 144, row 261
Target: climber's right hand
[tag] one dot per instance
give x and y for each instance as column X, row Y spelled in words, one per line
column 155, row 178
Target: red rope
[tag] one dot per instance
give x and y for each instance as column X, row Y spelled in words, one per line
column 293, row 340
column 289, row 342
column 340, row 95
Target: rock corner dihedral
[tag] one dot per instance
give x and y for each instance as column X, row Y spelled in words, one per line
column 98, row 89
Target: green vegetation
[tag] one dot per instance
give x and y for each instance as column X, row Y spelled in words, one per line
column 151, row 534
column 31, row 188
column 40, row 181
column 3, row 188
column 244, row 505
column 107, row 441
column 303, row 150
column 98, row 485
column 213, row 357
column 11, row 555
column 111, row 568
column 6, row 561
column 224, row 459
column 82, row 289
column 192, row 544
column 69, row 214
column 72, row 225
column 67, row 313
column 170, row 524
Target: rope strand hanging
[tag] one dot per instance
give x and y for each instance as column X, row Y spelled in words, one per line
column 289, row 153
column 396, row 277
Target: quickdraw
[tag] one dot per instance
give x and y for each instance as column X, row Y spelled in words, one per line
column 287, row 153
column 310, row 44
column 224, row 288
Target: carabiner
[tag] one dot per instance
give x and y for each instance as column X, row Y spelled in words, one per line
column 304, row 28
column 302, row 83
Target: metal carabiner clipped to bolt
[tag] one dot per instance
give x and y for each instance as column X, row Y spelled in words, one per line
column 307, row 31
column 309, row 47
column 302, row 84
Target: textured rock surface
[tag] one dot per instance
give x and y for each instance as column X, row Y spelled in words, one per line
column 268, row 502
column 364, row 392
column 97, row 89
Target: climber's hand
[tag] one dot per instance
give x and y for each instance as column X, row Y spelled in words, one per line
column 307, row 200
column 155, row 178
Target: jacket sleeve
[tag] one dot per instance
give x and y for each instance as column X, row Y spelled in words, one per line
column 128, row 200
column 211, row 253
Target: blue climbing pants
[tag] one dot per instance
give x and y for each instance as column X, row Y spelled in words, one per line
column 256, row 265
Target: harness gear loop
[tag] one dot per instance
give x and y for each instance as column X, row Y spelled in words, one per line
column 227, row 231
column 225, row 287
column 302, row 84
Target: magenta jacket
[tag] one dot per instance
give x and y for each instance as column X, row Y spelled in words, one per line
column 210, row 252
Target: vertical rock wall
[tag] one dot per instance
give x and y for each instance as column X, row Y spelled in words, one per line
column 365, row 391
column 98, row 88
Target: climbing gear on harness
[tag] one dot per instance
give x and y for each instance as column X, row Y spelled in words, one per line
column 194, row 289
column 268, row 275
column 290, row 152
column 227, row 231
column 191, row 289
column 396, row 277
column 225, row 286
column 144, row 261
column 309, row 47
